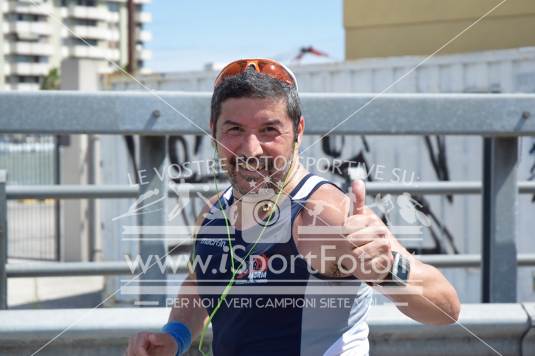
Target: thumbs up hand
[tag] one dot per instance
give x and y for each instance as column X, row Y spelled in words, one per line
column 370, row 237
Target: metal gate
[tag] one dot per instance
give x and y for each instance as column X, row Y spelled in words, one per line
column 33, row 224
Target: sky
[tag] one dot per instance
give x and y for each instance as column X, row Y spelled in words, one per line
column 186, row 35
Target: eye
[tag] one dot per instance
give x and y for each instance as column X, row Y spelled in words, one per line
column 234, row 129
column 269, row 129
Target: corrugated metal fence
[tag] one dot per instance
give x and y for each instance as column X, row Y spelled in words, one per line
column 456, row 220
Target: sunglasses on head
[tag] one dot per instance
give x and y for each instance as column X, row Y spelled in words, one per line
column 266, row 66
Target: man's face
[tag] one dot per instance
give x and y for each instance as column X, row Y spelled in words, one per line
column 255, row 140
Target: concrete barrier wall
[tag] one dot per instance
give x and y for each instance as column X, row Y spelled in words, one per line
column 483, row 329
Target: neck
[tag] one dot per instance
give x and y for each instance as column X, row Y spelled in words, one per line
column 296, row 173
column 293, row 177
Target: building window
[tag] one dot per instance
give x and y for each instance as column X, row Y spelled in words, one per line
column 29, row 17
column 26, row 38
column 28, row 79
column 11, row 37
column 113, row 7
column 87, row 2
column 21, row 58
column 79, row 2
column 85, row 22
column 83, row 42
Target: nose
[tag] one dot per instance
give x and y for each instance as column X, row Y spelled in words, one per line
column 250, row 146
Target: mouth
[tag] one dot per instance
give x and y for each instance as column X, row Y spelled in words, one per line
column 251, row 175
column 251, row 168
column 257, row 171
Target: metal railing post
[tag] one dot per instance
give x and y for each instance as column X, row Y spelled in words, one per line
column 57, row 203
column 153, row 184
column 3, row 240
column 499, row 203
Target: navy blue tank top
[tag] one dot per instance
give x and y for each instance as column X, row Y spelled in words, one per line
column 268, row 310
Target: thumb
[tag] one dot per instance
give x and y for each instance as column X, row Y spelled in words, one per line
column 359, row 194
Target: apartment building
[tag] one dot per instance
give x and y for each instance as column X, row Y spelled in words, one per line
column 36, row 35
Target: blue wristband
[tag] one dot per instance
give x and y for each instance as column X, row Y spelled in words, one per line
column 180, row 333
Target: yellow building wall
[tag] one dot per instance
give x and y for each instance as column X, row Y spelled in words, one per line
column 381, row 28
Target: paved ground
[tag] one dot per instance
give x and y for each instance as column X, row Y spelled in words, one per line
column 55, row 292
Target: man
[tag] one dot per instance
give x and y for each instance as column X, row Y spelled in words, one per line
column 280, row 243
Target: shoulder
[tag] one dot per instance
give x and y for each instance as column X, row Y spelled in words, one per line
column 328, row 190
column 208, row 203
column 327, row 205
column 317, row 228
column 205, row 211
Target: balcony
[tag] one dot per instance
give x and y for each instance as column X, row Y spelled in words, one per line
column 26, row 8
column 40, row 28
column 141, row 2
column 81, row 51
column 113, row 17
column 144, row 2
column 92, row 32
column 144, row 54
column 23, row 86
column 28, row 48
column 87, row 12
column 143, row 17
column 144, row 36
column 27, row 68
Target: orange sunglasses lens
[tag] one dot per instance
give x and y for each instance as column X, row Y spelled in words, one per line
column 276, row 71
column 270, row 68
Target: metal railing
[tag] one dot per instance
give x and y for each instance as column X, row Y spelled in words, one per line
column 506, row 328
column 500, row 119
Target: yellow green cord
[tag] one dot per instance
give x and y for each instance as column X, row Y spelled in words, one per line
column 229, row 285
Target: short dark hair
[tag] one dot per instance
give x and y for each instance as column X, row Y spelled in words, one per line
column 251, row 84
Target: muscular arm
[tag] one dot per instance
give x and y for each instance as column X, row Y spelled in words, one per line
column 435, row 303
column 323, row 248
column 187, row 310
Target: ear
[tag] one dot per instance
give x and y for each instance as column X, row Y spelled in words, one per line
column 212, row 133
column 300, row 130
